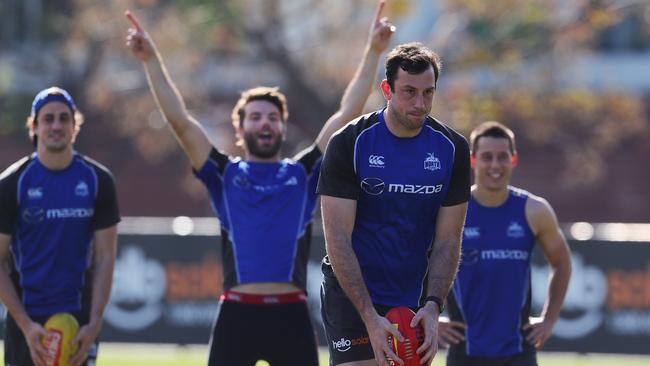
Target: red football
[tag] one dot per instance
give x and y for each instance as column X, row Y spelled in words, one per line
column 401, row 317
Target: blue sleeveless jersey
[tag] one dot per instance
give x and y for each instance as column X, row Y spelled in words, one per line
column 399, row 185
column 265, row 210
column 491, row 293
column 51, row 217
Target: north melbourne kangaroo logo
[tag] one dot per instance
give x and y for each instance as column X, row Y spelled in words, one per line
column 81, row 189
column 431, row 162
column 515, row 230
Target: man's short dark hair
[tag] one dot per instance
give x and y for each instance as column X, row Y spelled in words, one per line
column 492, row 129
column 414, row 58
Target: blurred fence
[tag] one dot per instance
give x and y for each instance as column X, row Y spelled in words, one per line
column 607, row 308
column 168, row 278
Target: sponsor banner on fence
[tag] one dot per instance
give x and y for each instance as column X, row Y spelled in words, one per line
column 166, row 290
column 607, row 307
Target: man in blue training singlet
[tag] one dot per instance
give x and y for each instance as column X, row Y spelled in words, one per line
column 394, row 186
column 491, row 297
column 265, row 205
column 58, row 235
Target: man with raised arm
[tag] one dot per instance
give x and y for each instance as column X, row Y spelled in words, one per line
column 265, row 205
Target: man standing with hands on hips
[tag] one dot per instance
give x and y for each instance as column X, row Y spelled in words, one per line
column 490, row 305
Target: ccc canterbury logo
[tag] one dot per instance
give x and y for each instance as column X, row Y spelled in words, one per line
column 376, row 161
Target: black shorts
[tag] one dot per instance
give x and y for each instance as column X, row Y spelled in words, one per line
column 456, row 357
column 347, row 337
column 279, row 333
column 17, row 351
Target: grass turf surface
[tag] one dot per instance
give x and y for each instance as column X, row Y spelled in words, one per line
column 124, row 354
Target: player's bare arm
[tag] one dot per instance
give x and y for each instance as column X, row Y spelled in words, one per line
column 187, row 129
column 544, row 223
column 104, row 252
column 338, row 220
column 443, row 264
column 31, row 330
column 357, row 91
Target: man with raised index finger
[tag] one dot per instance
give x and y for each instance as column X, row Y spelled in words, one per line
column 265, row 205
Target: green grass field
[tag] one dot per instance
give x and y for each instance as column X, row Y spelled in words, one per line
column 121, row 354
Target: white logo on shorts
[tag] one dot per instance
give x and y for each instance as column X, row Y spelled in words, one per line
column 342, row 345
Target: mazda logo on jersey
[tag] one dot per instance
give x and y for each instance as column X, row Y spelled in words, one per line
column 33, row 215
column 373, row 186
column 470, row 256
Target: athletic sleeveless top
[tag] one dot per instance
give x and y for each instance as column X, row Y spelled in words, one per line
column 491, row 293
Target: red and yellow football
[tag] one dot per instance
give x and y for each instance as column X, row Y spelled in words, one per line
column 62, row 328
column 401, row 317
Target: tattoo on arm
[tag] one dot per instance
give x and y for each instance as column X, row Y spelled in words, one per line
column 443, row 265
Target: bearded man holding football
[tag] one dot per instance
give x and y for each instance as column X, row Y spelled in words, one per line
column 394, row 187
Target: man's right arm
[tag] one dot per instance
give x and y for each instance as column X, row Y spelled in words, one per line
column 338, row 221
column 31, row 330
column 188, row 131
column 543, row 221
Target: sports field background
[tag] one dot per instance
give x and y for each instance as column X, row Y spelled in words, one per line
column 124, row 354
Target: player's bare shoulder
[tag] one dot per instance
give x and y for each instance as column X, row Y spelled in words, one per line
column 540, row 214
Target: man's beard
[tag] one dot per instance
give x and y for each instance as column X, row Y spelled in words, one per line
column 406, row 122
column 264, row 152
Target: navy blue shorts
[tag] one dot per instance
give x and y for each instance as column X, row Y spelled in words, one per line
column 347, row 337
column 279, row 333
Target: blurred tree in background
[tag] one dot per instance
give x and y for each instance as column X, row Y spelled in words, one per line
column 527, row 46
column 547, row 68
column 531, row 65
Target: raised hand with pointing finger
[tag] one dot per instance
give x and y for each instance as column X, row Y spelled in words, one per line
column 138, row 40
column 381, row 31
